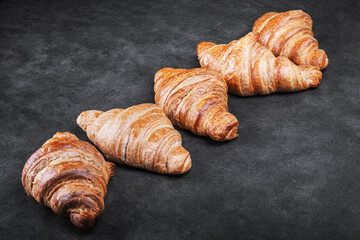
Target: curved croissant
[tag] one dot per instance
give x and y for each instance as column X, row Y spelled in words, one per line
column 196, row 100
column 69, row 176
column 290, row 34
column 139, row 136
column 249, row 68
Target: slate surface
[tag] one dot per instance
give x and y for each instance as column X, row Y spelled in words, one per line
column 293, row 172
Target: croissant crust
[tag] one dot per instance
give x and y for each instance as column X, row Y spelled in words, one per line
column 140, row 136
column 196, row 100
column 249, row 68
column 290, row 34
column 69, row 176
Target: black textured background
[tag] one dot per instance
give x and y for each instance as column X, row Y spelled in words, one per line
column 293, row 172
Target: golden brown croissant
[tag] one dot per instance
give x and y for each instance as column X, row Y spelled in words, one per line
column 139, row 136
column 69, row 176
column 249, row 68
column 196, row 100
column 290, row 34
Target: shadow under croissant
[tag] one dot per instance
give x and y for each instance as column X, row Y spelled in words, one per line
column 275, row 94
column 206, row 139
column 62, row 222
column 127, row 168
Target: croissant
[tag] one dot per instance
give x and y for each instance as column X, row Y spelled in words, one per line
column 290, row 34
column 139, row 136
column 249, row 68
column 196, row 100
column 69, row 176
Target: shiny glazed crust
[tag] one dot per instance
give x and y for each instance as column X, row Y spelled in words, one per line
column 69, row 176
column 196, row 99
column 139, row 136
column 290, row 34
column 249, row 68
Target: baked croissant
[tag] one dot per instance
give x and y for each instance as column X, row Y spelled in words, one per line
column 196, row 100
column 139, row 136
column 249, row 68
column 69, row 176
column 290, row 34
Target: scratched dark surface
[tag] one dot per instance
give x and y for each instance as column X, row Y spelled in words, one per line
column 293, row 172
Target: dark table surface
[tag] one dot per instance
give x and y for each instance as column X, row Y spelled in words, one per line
column 293, row 172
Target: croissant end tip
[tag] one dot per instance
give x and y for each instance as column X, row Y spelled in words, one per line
column 319, row 58
column 87, row 117
column 161, row 72
column 64, row 135
column 203, row 46
column 186, row 165
column 326, row 63
column 179, row 161
column 312, row 74
column 83, row 220
column 224, row 127
column 60, row 136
